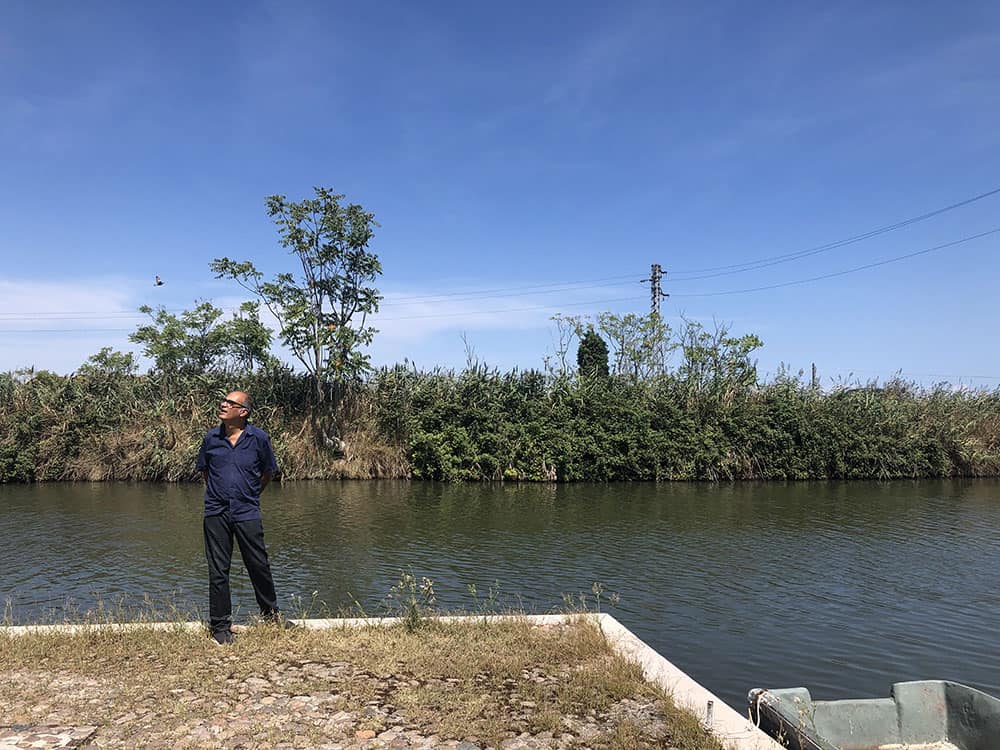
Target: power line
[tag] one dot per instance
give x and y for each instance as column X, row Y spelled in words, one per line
column 22, row 317
column 67, row 330
column 375, row 319
column 454, row 298
column 571, row 285
column 29, row 316
column 99, row 316
column 478, row 292
column 620, row 299
column 844, row 273
column 551, row 288
column 510, row 309
column 754, row 265
column 76, row 315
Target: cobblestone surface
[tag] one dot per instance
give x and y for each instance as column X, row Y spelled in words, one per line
column 273, row 710
column 308, row 699
column 17, row 737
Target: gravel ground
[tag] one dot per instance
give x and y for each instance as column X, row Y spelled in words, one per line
column 272, row 711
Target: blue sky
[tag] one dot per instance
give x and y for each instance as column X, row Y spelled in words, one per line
column 510, row 146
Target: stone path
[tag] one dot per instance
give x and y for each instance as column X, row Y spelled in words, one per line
column 316, row 701
column 272, row 711
column 20, row 737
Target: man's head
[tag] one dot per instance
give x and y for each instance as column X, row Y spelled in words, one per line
column 235, row 408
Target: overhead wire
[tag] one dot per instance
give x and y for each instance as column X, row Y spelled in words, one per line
column 66, row 330
column 95, row 316
column 499, row 296
column 754, row 265
column 845, row 272
column 75, row 315
column 550, row 288
column 795, row 282
column 380, row 320
column 511, row 309
column 408, row 298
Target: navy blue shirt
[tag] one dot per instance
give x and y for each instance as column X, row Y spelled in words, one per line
column 233, row 482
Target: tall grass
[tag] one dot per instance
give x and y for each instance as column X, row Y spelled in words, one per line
column 481, row 424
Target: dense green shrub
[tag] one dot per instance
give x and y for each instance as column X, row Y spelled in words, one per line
column 106, row 422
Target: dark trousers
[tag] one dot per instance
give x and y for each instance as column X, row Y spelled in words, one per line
column 219, row 533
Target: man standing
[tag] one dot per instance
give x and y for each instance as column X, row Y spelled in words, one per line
column 236, row 462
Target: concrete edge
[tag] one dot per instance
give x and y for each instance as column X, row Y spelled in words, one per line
column 732, row 728
column 311, row 624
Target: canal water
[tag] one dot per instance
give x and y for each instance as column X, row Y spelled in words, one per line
column 844, row 588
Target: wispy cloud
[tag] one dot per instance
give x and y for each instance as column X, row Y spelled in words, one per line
column 958, row 67
column 509, row 307
column 54, row 124
column 428, row 325
column 284, row 58
column 513, row 329
column 602, row 59
column 34, row 297
column 57, row 325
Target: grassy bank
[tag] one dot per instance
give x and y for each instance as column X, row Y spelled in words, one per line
column 479, row 424
column 487, row 684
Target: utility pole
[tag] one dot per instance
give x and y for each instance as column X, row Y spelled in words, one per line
column 655, row 274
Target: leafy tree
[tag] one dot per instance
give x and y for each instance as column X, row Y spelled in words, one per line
column 249, row 339
column 640, row 343
column 182, row 344
column 716, row 367
column 109, row 364
column 197, row 341
column 592, row 355
column 568, row 329
column 323, row 309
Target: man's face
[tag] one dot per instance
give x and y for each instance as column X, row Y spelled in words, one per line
column 233, row 407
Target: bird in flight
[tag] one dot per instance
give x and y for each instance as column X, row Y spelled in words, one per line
column 158, row 282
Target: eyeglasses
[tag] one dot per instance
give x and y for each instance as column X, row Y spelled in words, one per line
column 235, row 404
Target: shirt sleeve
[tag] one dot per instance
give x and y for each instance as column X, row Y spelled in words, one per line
column 202, row 463
column 268, row 463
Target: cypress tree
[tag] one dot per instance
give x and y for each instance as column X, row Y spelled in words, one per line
column 592, row 355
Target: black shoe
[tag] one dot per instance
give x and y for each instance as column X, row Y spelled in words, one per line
column 276, row 618
column 224, row 637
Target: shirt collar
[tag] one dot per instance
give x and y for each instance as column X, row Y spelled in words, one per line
column 248, row 429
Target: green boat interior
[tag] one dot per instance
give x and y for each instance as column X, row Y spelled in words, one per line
column 920, row 715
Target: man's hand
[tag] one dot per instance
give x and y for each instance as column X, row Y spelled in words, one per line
column 265, row 480
column 204, row 476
